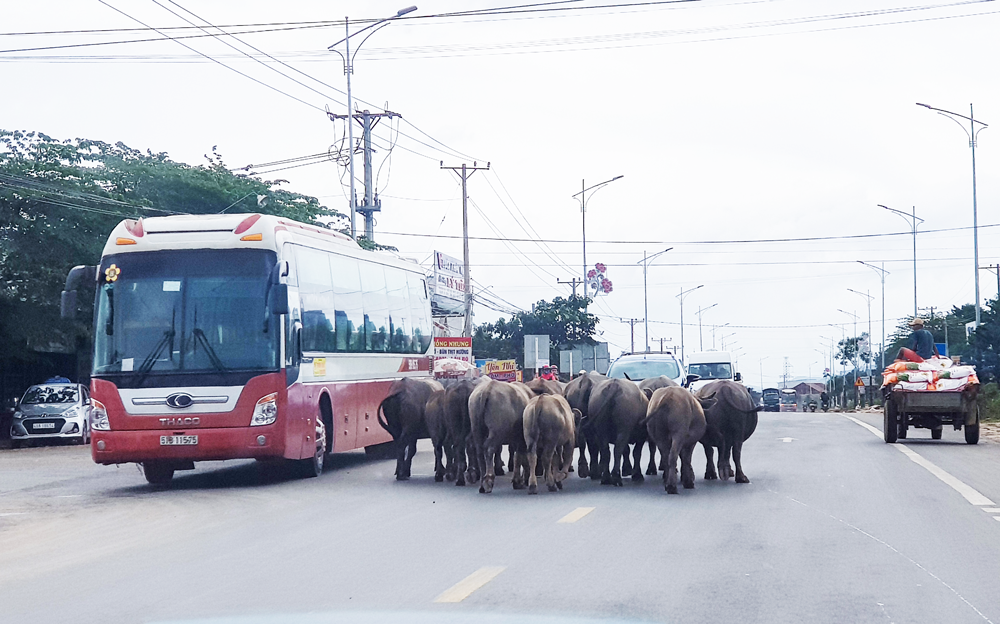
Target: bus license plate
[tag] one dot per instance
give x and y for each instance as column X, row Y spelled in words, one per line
column 179, row 440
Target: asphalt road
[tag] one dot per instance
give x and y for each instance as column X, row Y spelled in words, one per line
column 836, row 526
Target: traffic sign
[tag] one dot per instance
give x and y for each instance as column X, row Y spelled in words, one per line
column 859, row 383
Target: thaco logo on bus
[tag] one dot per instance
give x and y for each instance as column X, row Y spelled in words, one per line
column 181, row 422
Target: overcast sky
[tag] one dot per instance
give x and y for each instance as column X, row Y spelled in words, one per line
column 731, row 120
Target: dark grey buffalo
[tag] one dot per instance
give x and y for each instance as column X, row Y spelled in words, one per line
column 401, row 413
column 676, row 422
column 459, row 429
column 577, row 393
column 496, row 414
column 545, row 386
column 550, row 437
column 731, row 421
column 648, row 386
column 615, row 415
column 435, row 416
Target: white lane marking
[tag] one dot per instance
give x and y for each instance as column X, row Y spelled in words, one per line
column 13, row 513
column 997, row 518
column 991, row 509
column 464, row 588
column 575, row 515
column 968, row 492
column 786, row 439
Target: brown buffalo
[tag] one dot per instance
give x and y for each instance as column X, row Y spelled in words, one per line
column 615, row 415
column 578, row 392
column 731, row 421
column 648, row 386
column 545, row 386
column 435, row 416
column 458, row 430
column 675, row 420
column 401, row 413
column 550, row 437
column 496, row 415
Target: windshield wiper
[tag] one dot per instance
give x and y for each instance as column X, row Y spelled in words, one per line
column 200, row 337
column 167, row 341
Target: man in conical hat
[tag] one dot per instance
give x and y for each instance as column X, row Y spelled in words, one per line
column 920, row 346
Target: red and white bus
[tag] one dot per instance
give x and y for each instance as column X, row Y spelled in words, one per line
column 246, row 336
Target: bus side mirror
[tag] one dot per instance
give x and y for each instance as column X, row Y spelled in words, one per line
column 691, row 379
column 738, row 377
column 67, row 304
column 279, row 299
column 67, row 301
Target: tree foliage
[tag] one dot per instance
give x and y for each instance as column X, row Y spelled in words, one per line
column 59, row 200
column 564, row 321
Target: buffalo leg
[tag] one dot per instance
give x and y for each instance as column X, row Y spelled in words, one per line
column 670, row 472
column 710, row 474
column 687, row 470
column 439, row 468
column 490, row 450
column 498, row 460
column 532, row 464
column 651, row 469
column 621, row 448
column 511, row 460
column 451, row 465
column 637, row 462
column 548, row 457
column 519, row 477
column 594, row 448
column 626, row 462
column 725, row 470
column 737, row 451
column 460, row 459
column 582, row 467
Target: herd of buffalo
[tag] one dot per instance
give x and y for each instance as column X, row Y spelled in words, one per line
column 542, row 422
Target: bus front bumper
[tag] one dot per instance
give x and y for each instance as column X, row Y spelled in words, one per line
column 118, row 447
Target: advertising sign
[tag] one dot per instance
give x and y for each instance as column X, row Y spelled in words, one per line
column 502, row 370
column 454, row 348
column 536, row 351
column 448, row 298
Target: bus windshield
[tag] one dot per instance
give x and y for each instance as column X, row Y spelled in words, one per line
column 189, row 311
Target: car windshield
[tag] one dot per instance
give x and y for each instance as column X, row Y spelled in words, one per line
column 185, row 311
column 711, row 371
column 50, row 394
column 637, row 370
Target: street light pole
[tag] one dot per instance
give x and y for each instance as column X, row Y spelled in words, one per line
column 760, row 363
column 870, row 339
column 701, row 346
column 972, row 133
column 348, row 70
column 912, row 219
column 882, row 273
column 645, row 293
column 681, row 297
column 583, row 213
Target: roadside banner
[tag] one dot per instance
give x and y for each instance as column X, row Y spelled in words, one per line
column 448, row 297
column 453, row 348
column 502, row 370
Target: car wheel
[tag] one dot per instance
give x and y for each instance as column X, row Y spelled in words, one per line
column 158, row 473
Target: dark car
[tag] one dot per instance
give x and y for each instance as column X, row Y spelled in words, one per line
column 771, row 399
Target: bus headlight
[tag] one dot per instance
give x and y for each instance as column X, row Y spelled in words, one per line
column 99, row 417
column 266, row 410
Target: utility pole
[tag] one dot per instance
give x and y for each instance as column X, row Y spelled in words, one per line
column 681, row 298
column 573, row 282
column 372, row 203
column 632, row 323
column 661, row 345
column 996, row 269
column 701, row 346
column 466, row 171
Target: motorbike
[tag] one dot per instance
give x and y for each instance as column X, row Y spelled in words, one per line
column 825, row 405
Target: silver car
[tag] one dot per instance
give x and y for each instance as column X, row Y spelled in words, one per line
column 52, row 411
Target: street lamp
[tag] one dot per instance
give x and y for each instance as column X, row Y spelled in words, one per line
column 723, row 340
column 715, row 327
column 912, row 220
column 760, row 363
column 348, row 70
column 882, row 273
column 870, row 340
column 583, row 212
column 700, row 310
column 855, row 317
column 681, row 297
column 645, row 296
column 972, row 133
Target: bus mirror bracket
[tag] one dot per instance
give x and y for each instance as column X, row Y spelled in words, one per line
column 67, row 303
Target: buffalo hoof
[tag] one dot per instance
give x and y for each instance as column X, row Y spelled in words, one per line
column 583, row 470
column 711, row 476
column 438, row 478
column 616, row 480
column 499, row 471
column 571, row 468
column 553, row 488
column 688, row 485
column 460, row 482
column 637, row 477
column 742, row 478
column 449, row 477
column 532, row 489
column 482, row 490
column 559, row 485
column 672, row 489
column 651, row 471
column 606, row 481
column 518, row 485
column 401, row 477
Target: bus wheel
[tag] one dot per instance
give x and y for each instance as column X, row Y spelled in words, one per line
column 157, row 473
column 313, row 466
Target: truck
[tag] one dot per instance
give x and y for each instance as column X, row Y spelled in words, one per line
column 711, row 366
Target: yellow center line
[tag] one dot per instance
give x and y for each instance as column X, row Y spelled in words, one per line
column 462, row 589
column 576, row 514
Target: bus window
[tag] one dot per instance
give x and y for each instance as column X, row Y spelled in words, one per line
column 349, row 322
column 398, row 297
column 421, row 323
column 376, row 307
column 316, row 293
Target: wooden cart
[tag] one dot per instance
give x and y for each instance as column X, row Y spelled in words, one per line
column 932, row 410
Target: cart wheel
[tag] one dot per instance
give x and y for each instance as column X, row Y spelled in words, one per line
column 972, row 431
column 902, row 428
column 889, row 422
column 936, row 432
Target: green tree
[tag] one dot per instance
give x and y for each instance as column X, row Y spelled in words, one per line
column 564, row 321
column 59, row 200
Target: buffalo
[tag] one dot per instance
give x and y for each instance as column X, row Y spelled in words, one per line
column 676, row 422
column 401, row 413
column 578, row 392
column 550, row 436
column 731, row 421
column 615, row 415
column 496, row 415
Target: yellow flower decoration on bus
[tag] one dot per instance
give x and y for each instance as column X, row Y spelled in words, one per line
column 111, row 273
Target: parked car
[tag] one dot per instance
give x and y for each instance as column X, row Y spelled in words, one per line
column 52, row 411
